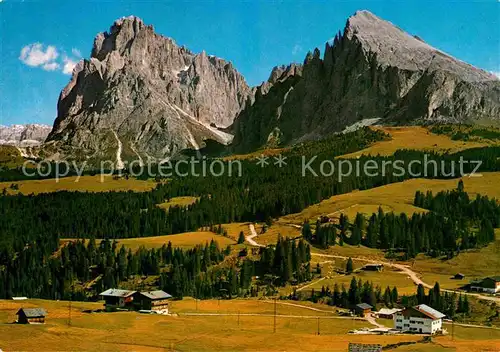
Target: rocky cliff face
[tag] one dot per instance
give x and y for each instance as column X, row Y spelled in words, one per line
column 142, row 96
column 24, row 135
column 373, row 70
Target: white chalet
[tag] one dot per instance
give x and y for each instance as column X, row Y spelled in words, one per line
column 419, row 319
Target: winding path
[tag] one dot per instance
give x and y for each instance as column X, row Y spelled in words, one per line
column 404, row 269
column 311, row 283
column 250, row 239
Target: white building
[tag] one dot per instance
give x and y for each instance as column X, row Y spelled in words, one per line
column 419, row 319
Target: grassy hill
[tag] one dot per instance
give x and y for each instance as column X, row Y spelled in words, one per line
column 397, row 197
column 10, row 157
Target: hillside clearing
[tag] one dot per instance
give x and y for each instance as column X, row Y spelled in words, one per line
column 397, row 197
column 388, row 277
column 417, row 138
column 82, row 184
column 474, row 264
column 178, row 201
column 184, row 240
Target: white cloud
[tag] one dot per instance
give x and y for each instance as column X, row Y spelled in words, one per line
column 47, row 57
column 296, row 49
column 35, row 55
column 76, row 52
column 68, row 66
column 496, row 73
column 51, row 66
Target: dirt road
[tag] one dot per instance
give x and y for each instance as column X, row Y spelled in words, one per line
column 250, row 239
column 404, row 269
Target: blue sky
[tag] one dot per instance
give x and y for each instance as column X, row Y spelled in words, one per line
column 255, row 36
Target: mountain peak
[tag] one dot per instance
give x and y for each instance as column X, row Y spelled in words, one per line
column 396, row 48
column 142, row 89
column 128, row 19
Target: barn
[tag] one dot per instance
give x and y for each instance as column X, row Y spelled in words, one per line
column 31, row 316
column 363, row 309
column 118, row 299
column 156, row 301
column 386, row 313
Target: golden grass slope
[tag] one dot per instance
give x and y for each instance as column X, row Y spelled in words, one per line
column 474, row 264
column 82, row 184
column 418, row 138
column 184, row 240
column 397, row 197
column 178, row 201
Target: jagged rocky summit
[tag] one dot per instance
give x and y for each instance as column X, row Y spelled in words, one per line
column 373, row 71
column 142, row 96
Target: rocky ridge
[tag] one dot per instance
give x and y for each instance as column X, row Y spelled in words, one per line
column 144, row 95
column 372, row 71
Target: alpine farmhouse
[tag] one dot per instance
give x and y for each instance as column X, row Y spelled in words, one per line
column 149, row 301
column 419, row 319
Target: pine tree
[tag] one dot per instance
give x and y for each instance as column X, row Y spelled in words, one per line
column 349, row 266
column 466, row 306
column 394, row 295
column 306, row 231
column 357, row 229
column 420, row 294
column 353, row 292
column 344, row 297
column 241, row 238
column 343, row 224
column 336, row 295
column 388, row 297
column 437, row 300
